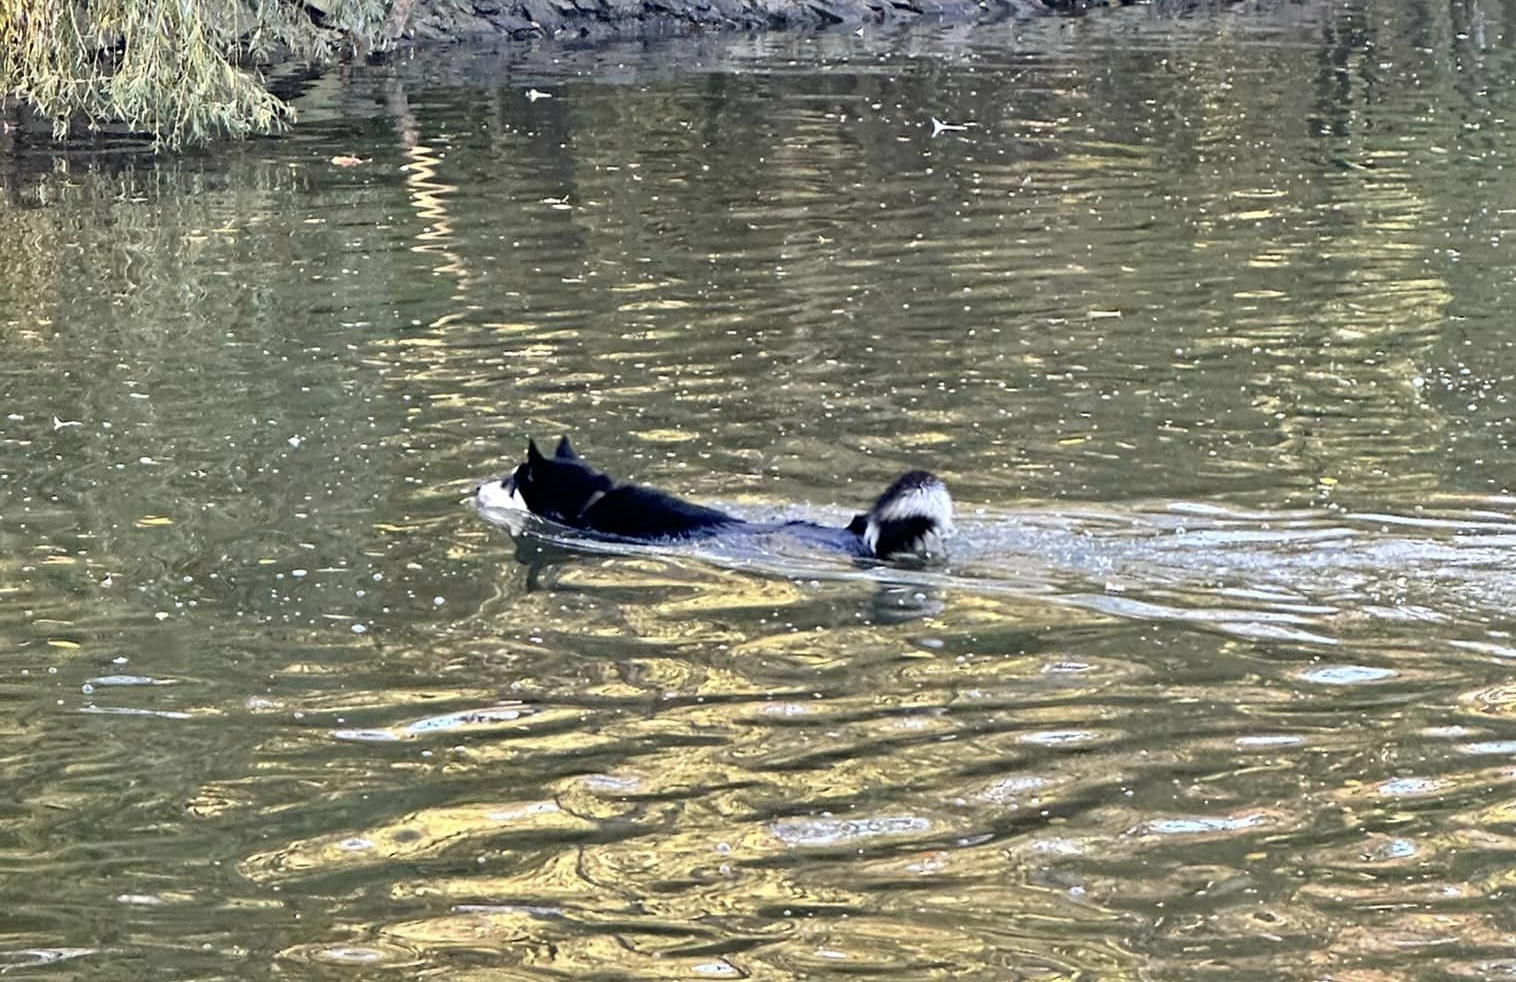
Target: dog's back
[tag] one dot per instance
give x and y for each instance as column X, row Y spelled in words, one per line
column 636, row 512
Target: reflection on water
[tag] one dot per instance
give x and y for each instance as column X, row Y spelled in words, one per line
column 1202, row 319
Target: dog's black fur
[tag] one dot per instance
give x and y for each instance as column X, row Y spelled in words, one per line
column 912, row 516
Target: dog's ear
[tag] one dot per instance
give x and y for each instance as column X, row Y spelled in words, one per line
column 565, row 450
column 533, row 455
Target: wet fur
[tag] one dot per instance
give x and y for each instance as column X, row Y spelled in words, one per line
column 912, row 516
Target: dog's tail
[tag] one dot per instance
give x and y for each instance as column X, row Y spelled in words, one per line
column 912, row 516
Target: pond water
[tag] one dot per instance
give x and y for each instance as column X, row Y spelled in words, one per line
column 1205, row 320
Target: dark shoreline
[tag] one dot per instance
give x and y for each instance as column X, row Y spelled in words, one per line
column 432, row 21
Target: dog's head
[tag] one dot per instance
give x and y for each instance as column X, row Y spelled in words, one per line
column 913, row 516
column 560, row 488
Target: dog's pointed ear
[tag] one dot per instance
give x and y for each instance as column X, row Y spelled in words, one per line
column 565, row 450
column 533, row 455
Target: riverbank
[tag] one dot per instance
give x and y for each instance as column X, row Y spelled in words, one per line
column 430, row 21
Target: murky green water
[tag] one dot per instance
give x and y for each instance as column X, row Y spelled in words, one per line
column 1206, row 321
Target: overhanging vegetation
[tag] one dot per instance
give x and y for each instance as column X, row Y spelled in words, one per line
column 181, row 70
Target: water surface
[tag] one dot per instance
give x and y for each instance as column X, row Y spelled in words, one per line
column 1204, row 319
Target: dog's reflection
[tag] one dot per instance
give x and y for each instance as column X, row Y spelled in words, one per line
column 544, row 562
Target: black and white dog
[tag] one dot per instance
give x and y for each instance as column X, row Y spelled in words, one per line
column 911, row 517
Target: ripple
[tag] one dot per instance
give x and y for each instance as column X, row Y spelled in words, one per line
column 371, row 955
column 135, row 711
column 1347, row 675
column 127, row 680
column 36, row 957
column 1412, row 787
column 1502, row 748
column 1202, row 825
column 463, row 721
column 1008, row 791
column 813, row 833
column 1264, row 740
column 1063, row 738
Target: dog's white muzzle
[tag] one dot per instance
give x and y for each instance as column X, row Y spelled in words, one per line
column 499, row 494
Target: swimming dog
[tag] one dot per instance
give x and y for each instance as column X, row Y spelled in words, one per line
column 912, row 516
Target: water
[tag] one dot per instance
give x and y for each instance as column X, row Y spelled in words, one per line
column 1203, row 318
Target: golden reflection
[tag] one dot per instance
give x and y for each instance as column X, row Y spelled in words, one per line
column 1489, row 819
column 218, row 799
column 1411, row 887
column 1399, row 935
column 781, row 929
column 429, row 197
column 423, row 834
column 570, row 951
column 1496, row 701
